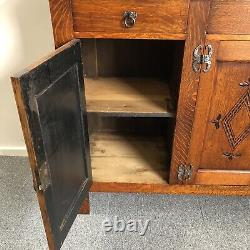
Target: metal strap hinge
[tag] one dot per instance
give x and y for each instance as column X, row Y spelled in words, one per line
column 184, row 172
column 200, row 58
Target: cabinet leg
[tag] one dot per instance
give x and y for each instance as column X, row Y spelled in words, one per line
column 84, row 209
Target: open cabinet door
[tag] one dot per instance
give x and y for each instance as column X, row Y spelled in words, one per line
column 51, row 105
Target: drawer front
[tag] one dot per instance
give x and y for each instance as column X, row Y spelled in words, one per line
column 153, row 16
column 229, row 17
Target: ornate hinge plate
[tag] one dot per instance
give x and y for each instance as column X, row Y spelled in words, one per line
column 199, row 58
column 184, row 172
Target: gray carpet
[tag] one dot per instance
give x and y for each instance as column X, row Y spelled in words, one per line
column 176, row 222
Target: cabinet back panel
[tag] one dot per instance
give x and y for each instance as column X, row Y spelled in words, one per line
column 122, row 148
column 131, row 58
column 159, row 59
column 163, row 127
column 122, row 158
column 138, row 125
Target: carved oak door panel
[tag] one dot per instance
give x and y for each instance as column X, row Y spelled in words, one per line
column 220, row 145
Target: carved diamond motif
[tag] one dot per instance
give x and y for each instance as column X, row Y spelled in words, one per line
column 243, row 103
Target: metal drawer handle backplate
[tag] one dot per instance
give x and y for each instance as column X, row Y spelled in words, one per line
column 129, row 18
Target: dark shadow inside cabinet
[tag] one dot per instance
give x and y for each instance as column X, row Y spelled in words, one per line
column 131, row 90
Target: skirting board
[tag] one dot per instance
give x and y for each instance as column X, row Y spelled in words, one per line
column 13, row 151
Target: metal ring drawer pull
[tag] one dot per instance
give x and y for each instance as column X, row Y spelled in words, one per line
column 129, row 18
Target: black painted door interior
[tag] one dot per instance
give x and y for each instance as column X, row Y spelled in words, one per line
column 51, row 105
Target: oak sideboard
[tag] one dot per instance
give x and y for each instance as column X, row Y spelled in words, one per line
column 148, row 96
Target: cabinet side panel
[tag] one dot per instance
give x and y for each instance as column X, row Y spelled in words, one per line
column 197, row 21
column 62, row 21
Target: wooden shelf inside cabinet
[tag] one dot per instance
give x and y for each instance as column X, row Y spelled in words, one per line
column 121, row 158
column 142, row 97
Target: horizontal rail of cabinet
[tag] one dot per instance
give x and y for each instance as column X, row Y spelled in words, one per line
column 128, row 35
column 170, row 189
column 227, row 37
column 222, row 177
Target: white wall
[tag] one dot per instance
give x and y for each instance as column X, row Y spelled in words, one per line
column 25, row 36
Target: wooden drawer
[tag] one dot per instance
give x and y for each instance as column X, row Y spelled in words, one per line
column 229, row 17
column 153, row 16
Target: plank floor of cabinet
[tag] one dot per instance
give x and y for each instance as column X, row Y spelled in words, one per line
column 137, row 164
column 145, row 97
column 125, row 158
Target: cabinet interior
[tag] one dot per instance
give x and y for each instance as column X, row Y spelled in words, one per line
column 131, row 90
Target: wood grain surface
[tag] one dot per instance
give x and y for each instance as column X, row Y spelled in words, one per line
column 128, row 158
column 224, row 145
column 197, row 21
column 62, row 21
column 229, row 17
column 128, row 97
column 106, row 16
column 171, row 189
column 222, row 177
column 131, row 35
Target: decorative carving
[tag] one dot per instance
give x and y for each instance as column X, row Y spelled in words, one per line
column 230, row 156
column 216, row 121
column 184, row 172
column 243, row 102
